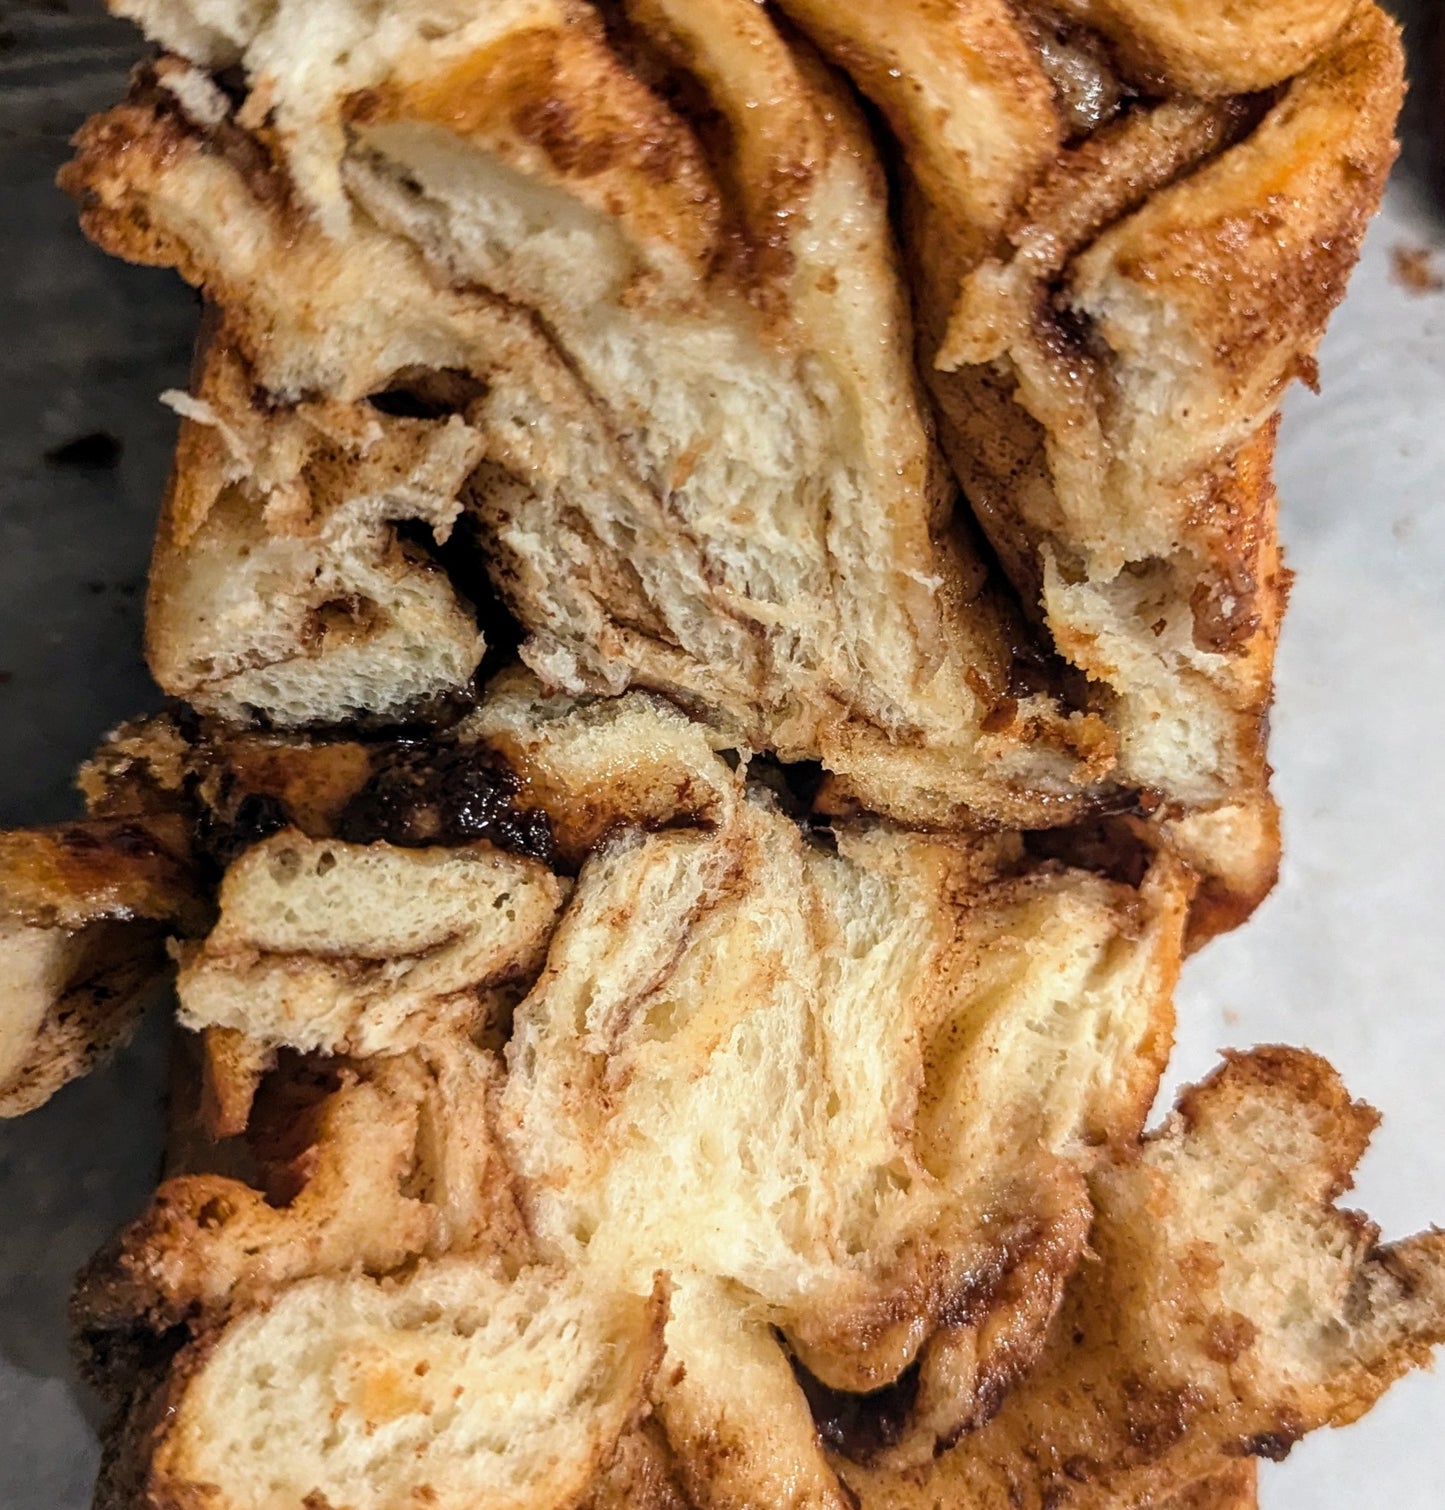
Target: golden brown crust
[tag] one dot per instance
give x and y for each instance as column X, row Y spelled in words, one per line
column 111, row 976
column 1052, row 326
column 964, row 94
column 642, row 1475
column 1216, row 47
column 71, row 874
column 1295, row 197
column 1233, row 1488
column 555, row 102
column 1237, row 850
column 1208, row 1332
column 352, row 1168
column 85, row 911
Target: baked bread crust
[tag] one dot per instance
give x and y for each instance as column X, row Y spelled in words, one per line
column 85, row 912
column 697, row 455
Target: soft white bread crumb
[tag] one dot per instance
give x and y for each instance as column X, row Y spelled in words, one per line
column 1234, row 1307
column 278, row 581
column 730, row 1014
column 458, row 1387
column 365, row 949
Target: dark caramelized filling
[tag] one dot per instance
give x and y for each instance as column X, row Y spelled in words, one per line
column 860, row 1426
column 422, row 794
column 1116, row 847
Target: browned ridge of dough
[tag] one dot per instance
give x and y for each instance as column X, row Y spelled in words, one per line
column 85, row 910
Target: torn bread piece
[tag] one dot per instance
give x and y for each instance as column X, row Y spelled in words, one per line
column 1126, row 226
column 1017, row 1016
column 594, row 764
column 703, row 1009
column 361, row 949
column 708, row 465
column 457, row 1385
column 340, row 1166
column 291, row 574
column 85, row 912
column 1234, row 1308
column 672, row 331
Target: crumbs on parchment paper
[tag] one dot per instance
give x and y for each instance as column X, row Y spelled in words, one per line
column 1414, row 269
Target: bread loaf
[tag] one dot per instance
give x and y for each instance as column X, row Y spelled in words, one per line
column 722, row 566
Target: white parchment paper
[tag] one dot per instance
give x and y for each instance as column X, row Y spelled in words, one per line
column 1348, row 955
